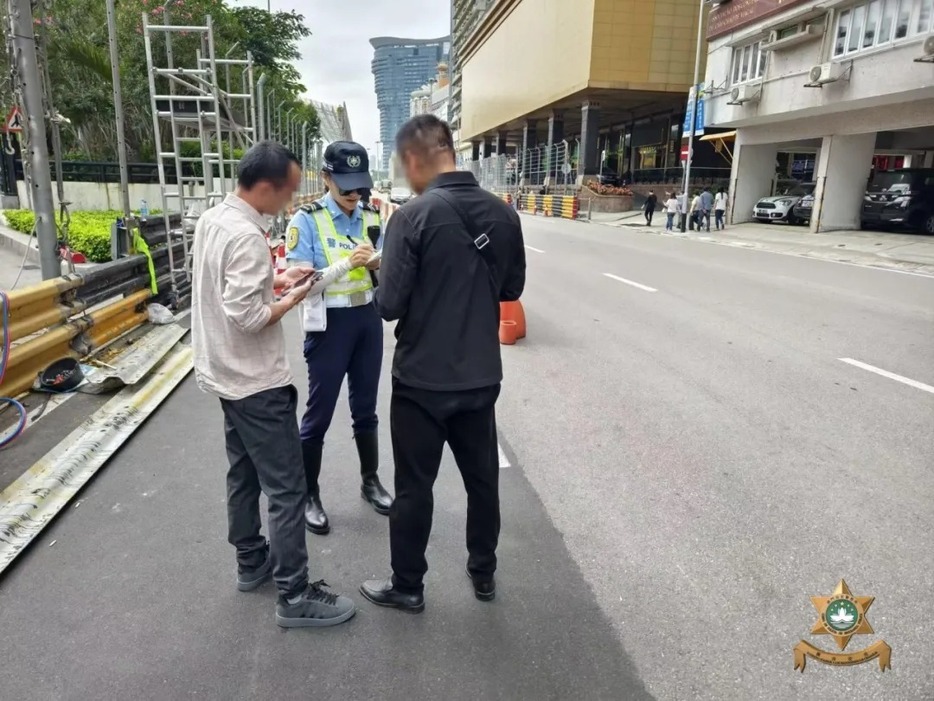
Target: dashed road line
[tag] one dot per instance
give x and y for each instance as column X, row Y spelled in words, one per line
column 890, row 375
column 623, row 280
column 536, row 250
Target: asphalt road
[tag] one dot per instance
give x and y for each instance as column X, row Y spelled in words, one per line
column 690, row 462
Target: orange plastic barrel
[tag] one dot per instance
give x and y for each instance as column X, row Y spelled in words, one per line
column 513, row 311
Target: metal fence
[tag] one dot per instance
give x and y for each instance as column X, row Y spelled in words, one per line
column 554, row 170
column 553, row 167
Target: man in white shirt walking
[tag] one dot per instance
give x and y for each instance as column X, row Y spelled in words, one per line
column 239, row 356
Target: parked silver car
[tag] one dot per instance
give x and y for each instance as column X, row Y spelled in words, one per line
column 781, row 207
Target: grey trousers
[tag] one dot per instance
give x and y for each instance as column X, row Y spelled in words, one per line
column 265, row 455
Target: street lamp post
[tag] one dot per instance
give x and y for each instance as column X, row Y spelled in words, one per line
column 693, row 115
column 259, row 126
column 288, row 129
column 279, row 122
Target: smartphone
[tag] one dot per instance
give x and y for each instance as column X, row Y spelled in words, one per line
column 309, row 278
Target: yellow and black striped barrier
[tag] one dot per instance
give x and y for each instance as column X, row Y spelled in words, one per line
column 562, row 206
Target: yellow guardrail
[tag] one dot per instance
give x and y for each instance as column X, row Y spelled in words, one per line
column 47, row 323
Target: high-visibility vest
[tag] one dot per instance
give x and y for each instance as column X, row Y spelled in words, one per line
column 337, row 247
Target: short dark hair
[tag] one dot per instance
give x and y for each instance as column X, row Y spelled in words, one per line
column 265, row 160
column 425, row 134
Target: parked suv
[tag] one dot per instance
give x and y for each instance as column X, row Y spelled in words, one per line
column 900, row 198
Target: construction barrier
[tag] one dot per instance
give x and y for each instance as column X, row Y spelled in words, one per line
column 563, row 206
column 73, row 315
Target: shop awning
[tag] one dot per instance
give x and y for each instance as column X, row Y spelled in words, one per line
column 725, row 135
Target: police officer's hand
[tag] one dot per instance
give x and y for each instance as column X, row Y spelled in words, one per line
column 361, row 255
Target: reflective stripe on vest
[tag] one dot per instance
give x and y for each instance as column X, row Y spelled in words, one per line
column 337, row 247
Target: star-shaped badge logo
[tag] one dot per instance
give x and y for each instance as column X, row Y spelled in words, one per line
column 842, row 615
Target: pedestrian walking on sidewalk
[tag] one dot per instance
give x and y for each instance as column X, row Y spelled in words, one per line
column 651, row 202
column 695, row 212
column 706, row 207
column 671, row 209
column 452, row 254
column 343, row 331
column 239, row 356
column 719, row 208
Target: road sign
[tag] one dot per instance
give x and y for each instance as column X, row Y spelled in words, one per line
column 14, row 121
column 685, row 152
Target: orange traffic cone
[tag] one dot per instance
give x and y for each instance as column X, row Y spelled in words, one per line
column 513, row 311
column 508, row 332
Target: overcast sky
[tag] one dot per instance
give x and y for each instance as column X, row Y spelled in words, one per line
column 335, row 64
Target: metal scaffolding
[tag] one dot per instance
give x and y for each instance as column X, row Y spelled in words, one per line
column 210, row 104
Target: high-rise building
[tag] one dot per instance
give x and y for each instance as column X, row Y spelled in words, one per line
column 401, row 66
column 465, row 17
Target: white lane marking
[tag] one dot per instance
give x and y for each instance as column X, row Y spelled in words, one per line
column 630, row 282
column 537, row 250
column 891, row 375
column 503, row 460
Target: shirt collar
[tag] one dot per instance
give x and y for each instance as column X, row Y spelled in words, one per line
column 335, row 210
column 245, row 208
column 456, row 177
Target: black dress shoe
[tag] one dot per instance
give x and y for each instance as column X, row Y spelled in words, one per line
column 373, row 492
column 382, row 593
column 316, row 520
column 483, row 589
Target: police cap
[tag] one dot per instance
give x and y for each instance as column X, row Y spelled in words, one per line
column 348, row 164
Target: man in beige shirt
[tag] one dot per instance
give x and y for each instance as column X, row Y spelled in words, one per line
column 239, row 351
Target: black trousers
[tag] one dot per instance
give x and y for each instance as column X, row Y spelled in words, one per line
column 421, row 421
column 265, row 455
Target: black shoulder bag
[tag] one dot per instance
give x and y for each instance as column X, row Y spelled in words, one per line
column 479, row 239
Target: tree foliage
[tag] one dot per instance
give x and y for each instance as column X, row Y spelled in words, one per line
column 80, row 72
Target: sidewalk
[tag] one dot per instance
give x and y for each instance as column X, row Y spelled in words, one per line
column 13, row 256
column 905, row 252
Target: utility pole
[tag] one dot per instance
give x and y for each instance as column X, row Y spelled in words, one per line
column 696, row 90
column 30, row 86
column 260, row 125
column 118, row 111
column 304, row 158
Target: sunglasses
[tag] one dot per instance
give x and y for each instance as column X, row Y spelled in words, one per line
column 360, row 191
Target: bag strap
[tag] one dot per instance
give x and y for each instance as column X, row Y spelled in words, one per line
column 479, row 239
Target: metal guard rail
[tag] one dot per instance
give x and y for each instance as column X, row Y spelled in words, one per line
column 56, row 318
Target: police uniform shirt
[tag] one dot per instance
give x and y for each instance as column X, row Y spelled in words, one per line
column 303, row 242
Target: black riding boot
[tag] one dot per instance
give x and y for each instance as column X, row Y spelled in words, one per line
column 371, row 489
column 316, row 520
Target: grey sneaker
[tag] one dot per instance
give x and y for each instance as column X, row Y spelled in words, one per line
column 250, row 578
column 316, row 608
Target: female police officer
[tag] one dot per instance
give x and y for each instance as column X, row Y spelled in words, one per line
column 343, row 331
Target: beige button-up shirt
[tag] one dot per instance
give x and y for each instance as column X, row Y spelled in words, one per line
column 235, row 353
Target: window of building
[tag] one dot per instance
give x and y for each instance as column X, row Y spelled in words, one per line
column 879, row 22
column 748, row 63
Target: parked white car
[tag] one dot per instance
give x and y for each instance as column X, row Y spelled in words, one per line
column 781, row 207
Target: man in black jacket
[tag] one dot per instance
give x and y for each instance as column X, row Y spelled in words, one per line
column 450, row 256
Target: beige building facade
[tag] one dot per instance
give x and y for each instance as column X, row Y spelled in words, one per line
column 613, row 75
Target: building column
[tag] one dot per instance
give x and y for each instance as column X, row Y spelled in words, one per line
column 499, row 143
column 590, row 141
column 487, row 146
column 529, row 141
column 555, row 137
column 751, row 178
column 843, row 168
column 475, row 150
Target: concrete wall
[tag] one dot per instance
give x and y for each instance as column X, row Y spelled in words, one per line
column 539, row 54
column 99, row 196
column 644, row 44
column 881, row 77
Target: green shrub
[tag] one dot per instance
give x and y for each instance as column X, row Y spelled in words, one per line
column 88, row 232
